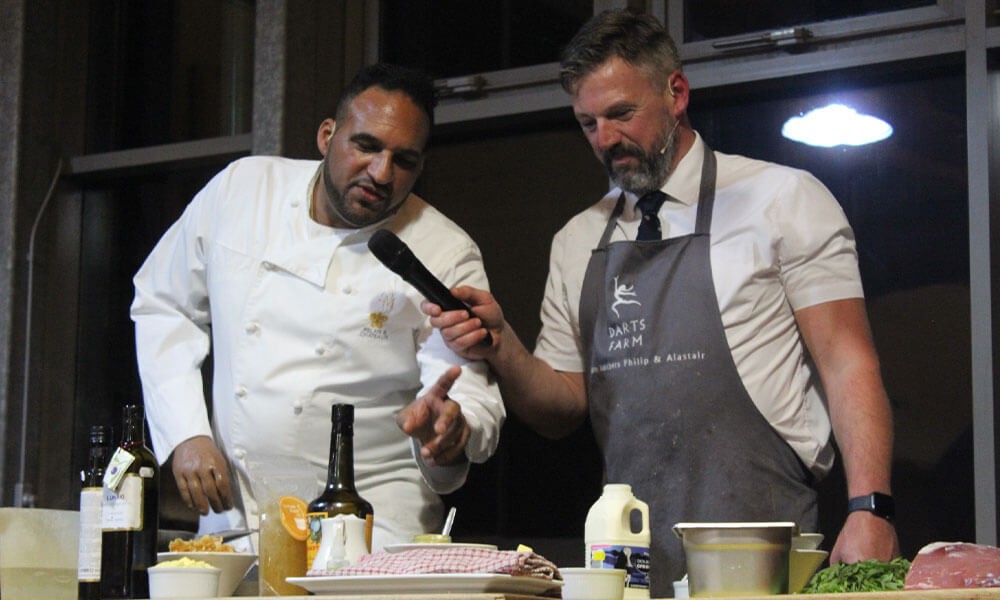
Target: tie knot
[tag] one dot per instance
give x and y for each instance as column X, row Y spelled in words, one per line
column 650, row 203
column 649, row 226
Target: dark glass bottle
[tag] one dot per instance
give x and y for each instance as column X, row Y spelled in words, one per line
column 130, row 513
column 340, row 496
column 88, row 574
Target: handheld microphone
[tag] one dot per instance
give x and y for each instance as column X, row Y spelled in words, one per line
column 397, row 256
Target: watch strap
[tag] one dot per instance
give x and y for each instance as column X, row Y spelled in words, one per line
column 879, row 504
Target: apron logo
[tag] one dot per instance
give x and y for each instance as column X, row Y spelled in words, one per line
column 624, row 294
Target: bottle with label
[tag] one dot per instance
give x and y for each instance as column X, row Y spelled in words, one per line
column 612, row 541
column 88, row 573
column 340, row 496
column 130, row 513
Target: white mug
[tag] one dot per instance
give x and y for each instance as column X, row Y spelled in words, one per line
column 356, row 544
column 331, row 554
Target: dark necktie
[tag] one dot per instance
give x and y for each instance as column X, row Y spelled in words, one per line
column 649, row 227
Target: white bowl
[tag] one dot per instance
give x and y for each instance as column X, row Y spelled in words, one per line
column 582, row 583
column 802, row 565
column 183, row 582
column 807, row 541
column 234, row 566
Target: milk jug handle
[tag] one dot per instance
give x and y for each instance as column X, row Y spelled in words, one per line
column 642, row 507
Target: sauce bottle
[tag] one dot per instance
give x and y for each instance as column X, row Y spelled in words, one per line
column 340, row 496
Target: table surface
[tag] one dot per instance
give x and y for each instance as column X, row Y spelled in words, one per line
column 957, row 594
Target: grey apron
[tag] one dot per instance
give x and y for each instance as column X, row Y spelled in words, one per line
column 669, row 410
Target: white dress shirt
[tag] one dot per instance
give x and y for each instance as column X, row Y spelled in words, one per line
column 299, row 317
column 780, row 243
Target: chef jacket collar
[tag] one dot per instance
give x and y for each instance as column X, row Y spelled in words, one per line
column 307, row 257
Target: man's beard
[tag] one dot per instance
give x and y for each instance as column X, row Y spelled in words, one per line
column 338, row 203
column 651, row 171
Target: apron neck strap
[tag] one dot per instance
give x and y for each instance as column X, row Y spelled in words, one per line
column 706, row 195
column 612, row 221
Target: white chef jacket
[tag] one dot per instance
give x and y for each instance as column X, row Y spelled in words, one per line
column 779, row 242
column 300, row 317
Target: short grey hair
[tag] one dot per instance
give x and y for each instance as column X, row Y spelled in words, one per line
column 637, row 38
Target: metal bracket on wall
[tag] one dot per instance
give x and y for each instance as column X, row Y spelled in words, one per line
column 781, row 37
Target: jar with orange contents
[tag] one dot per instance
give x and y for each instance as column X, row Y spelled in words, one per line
column 283, row 532
column 278, row 484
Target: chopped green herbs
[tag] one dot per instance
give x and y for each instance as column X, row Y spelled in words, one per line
column 864, row 576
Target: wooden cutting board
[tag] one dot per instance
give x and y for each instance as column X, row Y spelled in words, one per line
column 959, row 594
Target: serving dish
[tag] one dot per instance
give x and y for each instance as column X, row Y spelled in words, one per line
column 434, row 583
column 393, row 548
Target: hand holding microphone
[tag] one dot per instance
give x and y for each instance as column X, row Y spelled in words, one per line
column 394, row 254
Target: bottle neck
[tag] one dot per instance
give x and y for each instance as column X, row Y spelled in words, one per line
column 99, row 456
column 340, row 475
column 133, row 431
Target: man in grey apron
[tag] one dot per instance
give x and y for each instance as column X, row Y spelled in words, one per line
column 638, row 333
column 708, row 455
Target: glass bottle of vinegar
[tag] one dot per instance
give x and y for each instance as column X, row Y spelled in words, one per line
column 130, row 513
column 91, row 494
column 340, row 496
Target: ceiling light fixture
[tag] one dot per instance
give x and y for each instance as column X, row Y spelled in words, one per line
column 836, row 125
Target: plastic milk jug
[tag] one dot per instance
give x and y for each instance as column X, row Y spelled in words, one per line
column 611, row 541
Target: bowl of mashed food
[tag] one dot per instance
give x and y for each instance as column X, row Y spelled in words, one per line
column 183, row 578
column 211, row 550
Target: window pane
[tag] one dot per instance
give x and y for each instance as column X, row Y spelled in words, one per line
column 709, row 19
column 906, row 199
column 449, row 38
column 170, row 71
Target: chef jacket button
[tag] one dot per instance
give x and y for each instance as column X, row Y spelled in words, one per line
column 320, row 350
column 297, row 407
column 239, row 453
column 348, row 290
column 294, row 204
column 268, row 266
column 241, row 392
column 251, row 328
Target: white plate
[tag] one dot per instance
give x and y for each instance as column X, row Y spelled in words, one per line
column 393, row 548
column 428, row 584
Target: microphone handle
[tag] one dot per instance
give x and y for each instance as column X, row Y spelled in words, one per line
column 431, row 287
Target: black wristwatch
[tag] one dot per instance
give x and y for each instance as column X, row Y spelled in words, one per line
column 880, row 505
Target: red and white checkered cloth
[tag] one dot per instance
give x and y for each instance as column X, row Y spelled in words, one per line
column 448, row 560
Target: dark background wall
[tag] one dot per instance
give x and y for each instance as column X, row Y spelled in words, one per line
column 510, row 182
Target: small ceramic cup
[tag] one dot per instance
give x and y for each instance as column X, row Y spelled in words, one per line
column 581, row 583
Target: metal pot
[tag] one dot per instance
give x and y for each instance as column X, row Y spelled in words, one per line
column 736, row 559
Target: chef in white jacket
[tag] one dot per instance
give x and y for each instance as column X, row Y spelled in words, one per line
column 269, row 269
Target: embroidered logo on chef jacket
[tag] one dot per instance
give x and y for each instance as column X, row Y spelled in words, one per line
column 380, row 309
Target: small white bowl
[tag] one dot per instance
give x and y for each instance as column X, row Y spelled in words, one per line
column 802, row 565
column 807, row 541
column 183, row 582
column 582, row 583
column 234, row 566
